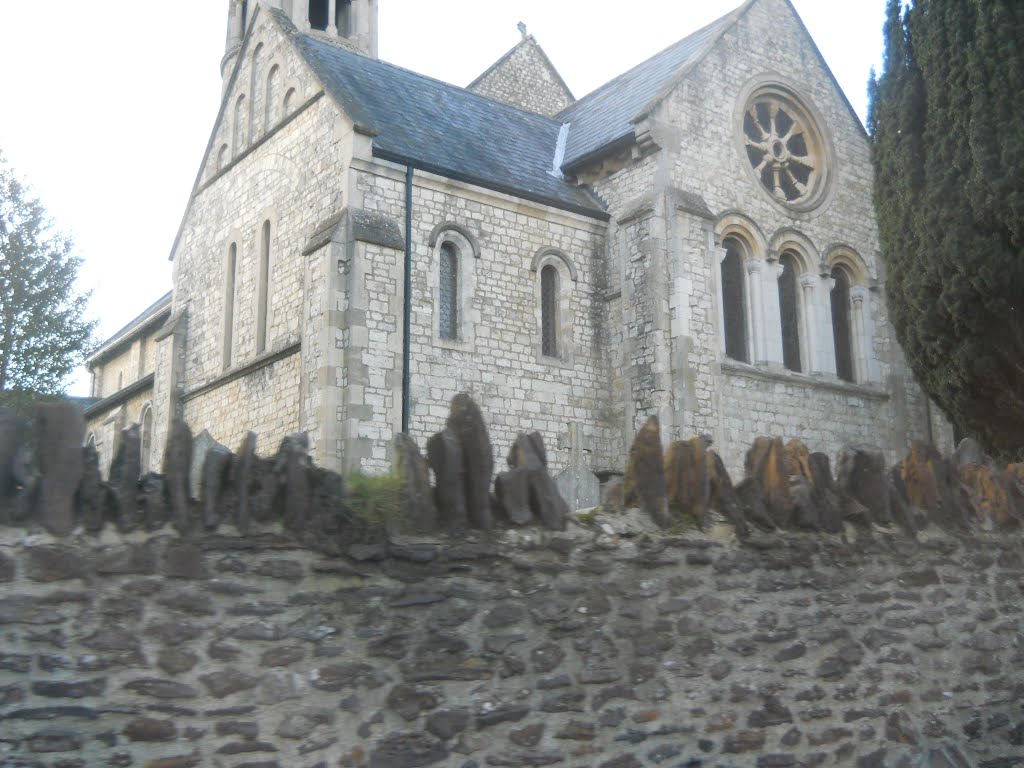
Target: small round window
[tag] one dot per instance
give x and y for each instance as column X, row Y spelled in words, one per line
column 784, row 148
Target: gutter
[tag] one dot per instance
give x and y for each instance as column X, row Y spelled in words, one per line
column 407, row 308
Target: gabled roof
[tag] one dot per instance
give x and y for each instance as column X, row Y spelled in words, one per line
column 153, row 314
column 530, row 42
column 605, row 116
column 442, row 128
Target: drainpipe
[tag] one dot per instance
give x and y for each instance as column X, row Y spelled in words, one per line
column 407, row 318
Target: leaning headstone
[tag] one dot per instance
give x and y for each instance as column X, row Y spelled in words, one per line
column 92, row 494
column 990, row 494
column 527, row 452
column 60, row 428
column 931, row 485
column 216, row 465
column 723, row 496
column 512, row 490
column 202, row 444
column 546, row 502
column 417, row 498
column 830, row 501
column 861, row 473
column 124, row 478
column 969, row 451
column 644, row 483
column 444, row 455
column 467, row 423
column 155, row 513
column 177, row 466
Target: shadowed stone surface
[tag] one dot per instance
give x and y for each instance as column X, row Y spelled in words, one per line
column 59, row 429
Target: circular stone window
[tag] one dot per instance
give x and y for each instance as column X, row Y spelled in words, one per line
column 784, row 147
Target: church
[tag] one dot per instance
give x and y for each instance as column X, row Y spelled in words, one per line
column 694, row 240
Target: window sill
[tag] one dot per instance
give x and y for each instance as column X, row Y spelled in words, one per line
column 813, row 381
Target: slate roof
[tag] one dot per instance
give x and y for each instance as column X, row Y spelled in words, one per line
column 444, row 129
column 605, row 116
column 143, row 319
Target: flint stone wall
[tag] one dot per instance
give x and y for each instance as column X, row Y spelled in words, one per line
column 582, row 648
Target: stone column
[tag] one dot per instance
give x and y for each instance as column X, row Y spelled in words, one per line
column 332, row 16
column 755, row 311
column 828, row 340
column 859, row 343
column 771, row 325
column 718, row 254
column 809, row 326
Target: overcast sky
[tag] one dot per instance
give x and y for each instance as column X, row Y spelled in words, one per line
column 107, row 105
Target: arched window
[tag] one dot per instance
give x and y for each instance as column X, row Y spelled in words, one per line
column 146, row 438
column 841, row 328
column 319, row 15
column 263, row 294
column 448, row 292
column 289, row 102
column 238, row 135
column 230, row 263
column 255, row 83
column 272, row 97
column 222, row 157
column 734, row 301
column 789, row 311
column 549, row 311
column 343, row 17
column 91, row 441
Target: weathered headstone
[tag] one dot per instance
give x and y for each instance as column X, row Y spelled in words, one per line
column 444, row 455
column 579, row 487
column 723, row 496
column 512, row 489
column 417, row 498
column 215, row 469
column 546, row 502
column 467, row 423
column 124, row 478
column 12, row 437
column 931, row 485
column 527, row 452
column 644, row 483
column 291, row 469
column 764, row 469
column 177, row 466
column 687, row 481
column 91, row 499
column 990, row 494
column 244, row 459
column 201, row 445
column 861, row 473
column 60, row 428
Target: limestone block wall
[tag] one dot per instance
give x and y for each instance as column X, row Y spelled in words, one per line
column 525, row 79
column 575, row 649
column 497, row 358
column 275, row 158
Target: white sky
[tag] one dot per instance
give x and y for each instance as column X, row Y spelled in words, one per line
column 106, row 106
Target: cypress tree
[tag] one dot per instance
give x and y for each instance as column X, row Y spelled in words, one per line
column 948, row 150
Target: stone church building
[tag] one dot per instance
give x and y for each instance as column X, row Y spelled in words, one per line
column 693, row 240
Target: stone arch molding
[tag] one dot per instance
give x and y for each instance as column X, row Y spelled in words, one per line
column 544, row 253
column 795, row 241
column 739, row 225
column 448, row 226
column 842, row 255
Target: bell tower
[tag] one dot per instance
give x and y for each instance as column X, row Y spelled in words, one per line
column 353, row 22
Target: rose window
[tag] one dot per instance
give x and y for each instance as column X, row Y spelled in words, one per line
column 782, row 147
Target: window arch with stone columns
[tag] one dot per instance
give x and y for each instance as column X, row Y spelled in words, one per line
column 451, row 277
column 556, row 275
column 799, row 294
column 850, row 315
column 739, row 272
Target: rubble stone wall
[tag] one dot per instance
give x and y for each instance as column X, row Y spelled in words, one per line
column 579, row 649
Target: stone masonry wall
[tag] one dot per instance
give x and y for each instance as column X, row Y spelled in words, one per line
column 577, row 649
column 497, row 359
column 525, row 79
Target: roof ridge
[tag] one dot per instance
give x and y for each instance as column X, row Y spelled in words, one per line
column 552, row 120
column 622, row 75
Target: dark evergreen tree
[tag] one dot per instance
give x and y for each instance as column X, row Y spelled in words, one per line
column 947, row 123
column 44, row 333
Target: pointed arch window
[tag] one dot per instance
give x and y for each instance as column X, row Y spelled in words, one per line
column 789, row 311
column 841, row 325
column 549, row 311
column 272, row 98
column 263, row 295
column 734, row 301
column 448, row 293
column 238, row 136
